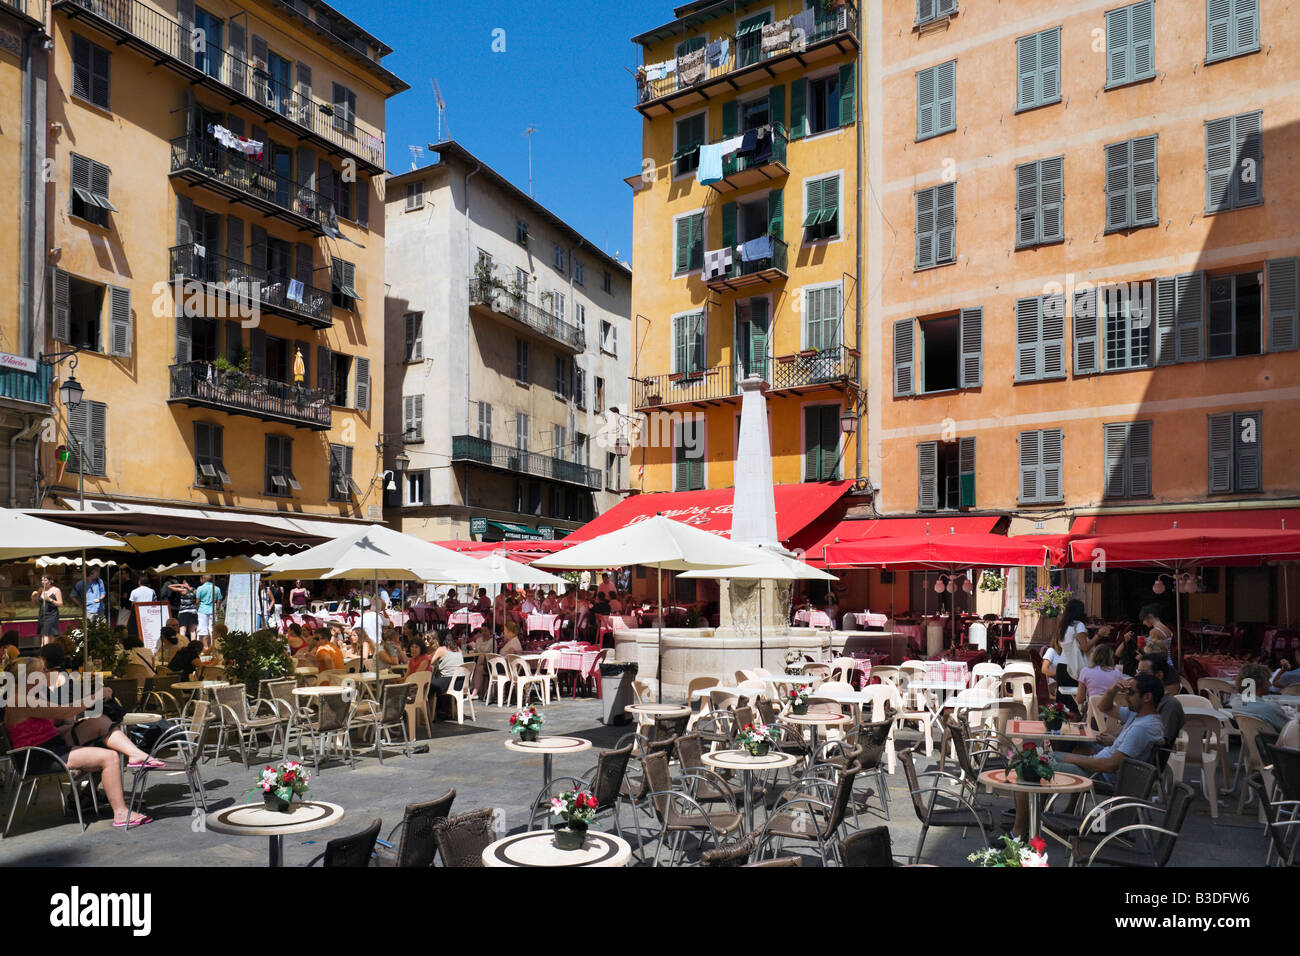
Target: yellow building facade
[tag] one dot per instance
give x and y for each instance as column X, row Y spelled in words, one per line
column 747, row 267
column 216, row 256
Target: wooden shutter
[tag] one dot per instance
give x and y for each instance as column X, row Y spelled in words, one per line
column 758, row 337
column 78, row 415
column 1245, row 23
column 1248, row 461
column 238, row 76
column 1139, row 459
column 683, row 240
column 925, row 104
column 927, row 476
column 1087, row 352
column 776, row 106
column 324, row 368
column 971, row 333
column 61, row 307
column 848, row 93
column 1117, row 185
column 1144, row 176
column 363, row 201
column 98, row 424
column 203, row 448
column 1051, row 199
column 681, row 467
column 945, row 222
column 812, row 443
column 1052, row 346
column 184, row 339
column 303, row 266
column 1218, row 29
column 904, row 335
column 257, row 352
column 966, row 472
column 1049, row 65
column 325, row 181
column 1189, row 318
column 1050, row 482
column 362, row 386
column 303, row 89
column 185, row 16
column 1248, row 159
column 81, row 66
column 1027, row 72
column 1218, row 162
column 1115, row 455
column 1118, row 54
column 1028, row 335
column 728, row 213
column 1221, row 453
column 119, row 321
column 234, row 341
column 1282, row 289
column 235, row 238
column 798, row 108
column 924, row 227
column 99, row 185
column 776, row 214
column 257, row 248
column 945, row 96
column 730, row 128
column 1142, row 40
column 1027, row 204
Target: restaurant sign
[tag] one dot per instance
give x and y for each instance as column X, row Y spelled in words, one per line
column 18, row 363
column 478, row 525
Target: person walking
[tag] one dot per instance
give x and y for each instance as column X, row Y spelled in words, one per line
column 92, row 597
column 209, row 600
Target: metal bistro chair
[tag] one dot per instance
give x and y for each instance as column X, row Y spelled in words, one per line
column 186, row 747
column 603, row 781
column 960, row 812
column 1151, row 845
column 157, row 693
column 232, row 709
column 1282, row 838
column 805, row 817
column 329, row 724
column 462, row 839
column 1135, row 781
column 417, row 846
column 383, row 718
column 868, row 848
column 350, row 851
column 60, row 772
column 679, row 813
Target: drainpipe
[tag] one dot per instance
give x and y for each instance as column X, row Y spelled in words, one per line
column 32, row 203
column 857, row 321
column 469, row 275
column 33, row 426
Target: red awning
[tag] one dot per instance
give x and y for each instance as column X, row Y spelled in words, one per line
column 1276, row 519
column 849, row 530
column 710, row 510
column 1188, row 547
column 524, row 552
column 948, row 552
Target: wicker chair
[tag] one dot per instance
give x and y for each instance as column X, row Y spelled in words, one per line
column 417, row 846
column 1135, row 781
column 329, row 724
column 232, row 708
column 157, row 693
column 679, row 814
column 868, row 848
column 462, row 839
column 383, row 718
column 1151, row 844
column 666, row 728
column 959, row 811
column 605, row 782
column 636, row 787
column 353, row 851
column 735, row 853
column 804, row 817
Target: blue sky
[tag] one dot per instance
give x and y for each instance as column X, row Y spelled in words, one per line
column 565, row 70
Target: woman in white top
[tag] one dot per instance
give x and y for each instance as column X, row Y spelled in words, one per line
column 1064, row 660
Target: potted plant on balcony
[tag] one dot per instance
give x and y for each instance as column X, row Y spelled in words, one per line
column 233, row 374
column 486, row 282
column 808, row 353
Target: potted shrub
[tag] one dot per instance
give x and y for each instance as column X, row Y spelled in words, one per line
column 281, row 785
column 526, row 724
column 755, row 738
column 1053, row 715
column 252, row 658
column 96, row 648
column 572, row 812
column 798, row 697
column 1029, row 765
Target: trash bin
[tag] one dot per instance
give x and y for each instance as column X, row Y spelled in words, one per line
column 616, row 680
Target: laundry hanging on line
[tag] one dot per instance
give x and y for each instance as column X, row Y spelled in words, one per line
column 776, row 36
column 803, row 25
column 717, row 262
column 756, row 249
column 718, row 52
column 295, row 291
column 690, row 66
column 711, row 156
column 240, row 144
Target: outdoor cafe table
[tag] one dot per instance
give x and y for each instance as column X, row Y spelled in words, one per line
column 1061, row 782
column 651, row 711
column 197, row 687
column 471, row 618
column 252, row 819
column 131, row 720
column 537, row 848
column 934, row 702
column 814, row 721
column 868, row 619
column 813, row 618
column 550, row 623
column 548, row 747
column 1037, row 731
column 748, row 764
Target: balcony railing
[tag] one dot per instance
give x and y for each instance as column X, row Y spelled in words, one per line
column 508, row 458
column 208, row 162
column 535, row 317
column 22, row 386
column 35, row 9
column 744, row 274
column 836, row 367
column 241, row 393
column 742, row 53
column 279, row 293
column 827, row 367
column 251, row 81
column 765, row 163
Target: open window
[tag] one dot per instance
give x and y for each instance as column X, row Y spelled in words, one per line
column 946, row 475
column 1236, row 324
column 940, row 368
column 209, row 457
column 280, row 479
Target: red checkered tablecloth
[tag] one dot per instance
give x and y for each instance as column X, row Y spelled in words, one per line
column 544, row 622
column 472, row 618
column 584, row 662
column 868, row 619
column 813, row 618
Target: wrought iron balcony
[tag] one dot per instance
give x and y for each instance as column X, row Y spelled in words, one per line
column 756, row 272
column 169, row 43
column 480, row 451
column 207, row 163
column 22, row 386
column 835, row 32
column 808, row 371
column 765, row 164
column 502, row 301
column 203, row 385
column 275, row 293
column 32, row 9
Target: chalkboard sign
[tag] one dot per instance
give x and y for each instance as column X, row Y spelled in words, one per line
column 150, row 617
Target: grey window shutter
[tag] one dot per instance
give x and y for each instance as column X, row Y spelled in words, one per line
column 61, row 307
column 257, row 248
column 77, row 417
column 1117, row 186
column 1117, row 46
column 1051, row 202
column 1050, row 484
column 972, row 347
column 927, row 476
column 1145, row 176
column 306, row 167
column 1049, row 65
column 303, row 90
column 185, row 30
column 363, row 202
column 235, row 238
column 325, row 181
column 925, row 107
column 945, row 222
column 904, row 361
column 1139, row 459
column 1026, row 204
column 257, row 351
column 1282, row 288
column 1221, row 453
column 99, row 437
column 1030, row 466
column 1027, row 72
column 184, row 220
column 966, row 472
column 238, row 41
column 1218, row 29
column 1166, row 313
column 80, row 67
column 1116, row 460
column 184, row 341
column 1028, row 334
column 1142, row 39
column 324, row 368
column 1189, row 320
column 99, row 174
column 945, row 96
column 362, row 389
column 1245, row 25
column 1218, row 163
column 925, row 228
column 1247, row 463
column 1087, row 354
column 1248, row 159
column 303, row 264
column 119, row 312
column 1052, row 348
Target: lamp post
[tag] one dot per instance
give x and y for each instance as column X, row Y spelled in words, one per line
column 71, row 394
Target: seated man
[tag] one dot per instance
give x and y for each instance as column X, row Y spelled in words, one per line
column 1285, row 676
column 329, row 656
column 1141, row 735
column 1169, row 710
column 1252, row 684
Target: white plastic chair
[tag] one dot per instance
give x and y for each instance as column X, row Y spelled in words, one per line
column 461, row 691
column 1198, row 746
column 985, row 669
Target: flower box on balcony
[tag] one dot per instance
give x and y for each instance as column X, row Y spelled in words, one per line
column 654, row 400
column 808, row 353
column 786, row 359
column 852, row 353
column 676, row 377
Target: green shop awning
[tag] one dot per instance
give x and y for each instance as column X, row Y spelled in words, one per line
column 515, row 531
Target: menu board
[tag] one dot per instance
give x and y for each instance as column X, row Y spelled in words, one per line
column 150, row 617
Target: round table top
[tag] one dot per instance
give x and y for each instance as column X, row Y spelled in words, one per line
column 1070, row 733
column 538, row 848
column 199, row 684
column 975, row 701
column 789, row 678
column 253, row 819
column 816, row 718
column 743, row 760
column 706, row 691
column 130, row 720
column 549, row 745
column 368, row 676
column 659, row 710
column 306, row 670
column 1060, row 783
column 318, row 690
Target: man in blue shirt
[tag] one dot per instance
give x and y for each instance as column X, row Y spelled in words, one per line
column 93, row 597
column 208, row 598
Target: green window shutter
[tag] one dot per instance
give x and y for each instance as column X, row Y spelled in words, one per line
column 1248, row 462
column 812, row 202
column 925, row 104
column 1087, row 354
column 698, row 345
column 1218, row 164
column 1221, row 453
column 798, row 108
column 758, row 323
column 945, row 223
column 119, row 313
column 1117, row 186
column 728, row 215
column 776, row 213
column 1118, row 55
column 776, row 105
column 848, row 93
column 971, row 335
column 1245, row 26
column 1139, row 459
column 1143, row 182
column 61, row 306
column 812, row 318
column 1189, row 316
column 1028, row 336
column 904, row 336
column 1027, row 204
column 1115, row 457
column 830, row 429
column 683, row 241
column 680, row 351
column 925, row 228
column 1282, row 288
column 812, row 443
column 1052, row 346
column 1248, row 157
column 966, row 472
column 927, row 476
column 1027, row 95
column 696, row 260
column 1142, row 40
column 1051, row 199
column 730, row 127
column 1218, row 29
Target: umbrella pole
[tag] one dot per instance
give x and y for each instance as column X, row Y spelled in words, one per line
column 760, row 622
column 659, row 652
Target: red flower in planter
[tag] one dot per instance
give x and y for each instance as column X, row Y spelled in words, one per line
column 513, row 718
column 1039, row 844
column 1028, row 745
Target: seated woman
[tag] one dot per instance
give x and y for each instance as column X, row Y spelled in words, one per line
column 445, row 662
column 186, row 659
column 452, row 603
column 297, row 642
column 390, row 649
column 511, row 645
column 1100, row 676
column 418, row 654
column 139, row 660
column 168, row 644
column 87, row 743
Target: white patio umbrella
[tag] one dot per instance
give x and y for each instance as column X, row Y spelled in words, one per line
column 239, row 564
column 769, row 566
column 26, row 536
column 660, row 543
column 496, row 569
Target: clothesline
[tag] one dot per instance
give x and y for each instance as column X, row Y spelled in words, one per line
column 240, row 144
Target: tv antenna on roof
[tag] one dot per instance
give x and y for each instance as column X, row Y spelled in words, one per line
column 416, row 153
column 442, row 106
column 529, row 134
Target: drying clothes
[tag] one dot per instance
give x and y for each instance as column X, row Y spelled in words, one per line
column 717, row 262
column 200, row 251
column 690, row 67
column 803, row 25
column 710, row 169
column 240, row 144
column 776, row 36
column 718, row 52
column 749, row 141
column 756, row 249
column 730, row 146
column 657, row 71
column 295, row 291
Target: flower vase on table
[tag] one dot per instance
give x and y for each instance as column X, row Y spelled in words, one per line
column 572, row 813
column 755, row 738
column 1053, row 716
column 798, row 699
column 281, row 785
column 1029, row 765
column 526, row 725
column 1013, row 853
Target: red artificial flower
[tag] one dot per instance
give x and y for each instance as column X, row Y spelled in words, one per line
column 1028, row 745
column 288, row 777
column 513, row 718
column 1039, row 844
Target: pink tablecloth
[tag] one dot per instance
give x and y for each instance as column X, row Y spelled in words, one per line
column 948, row 671
column 472, row 618
column 584, row 662
column 913, row 631
column 868, row 619
column 1216, row 665
column 813, row 618
column 544, row 622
